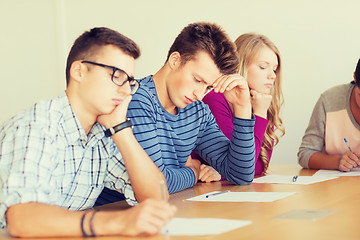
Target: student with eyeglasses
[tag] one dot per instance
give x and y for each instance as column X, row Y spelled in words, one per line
column 170, row 121
column 56, row 157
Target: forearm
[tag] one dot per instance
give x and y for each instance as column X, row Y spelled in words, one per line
column 241, row 157
column 144, row 175
column 321, row 160
column 179, row 179
column 243, row 111
column 42, row 220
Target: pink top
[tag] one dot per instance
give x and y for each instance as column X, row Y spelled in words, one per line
column 224, row 118
column 334, row 139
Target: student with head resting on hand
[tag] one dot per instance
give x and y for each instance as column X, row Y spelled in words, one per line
column 335, row 117
column 170, row 120
column 260, row 64
column 56, row 157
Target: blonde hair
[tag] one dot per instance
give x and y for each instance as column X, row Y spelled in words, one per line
column 248, row 47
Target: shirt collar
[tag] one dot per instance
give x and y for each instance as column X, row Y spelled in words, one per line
column 69, row 122
column 74, row 132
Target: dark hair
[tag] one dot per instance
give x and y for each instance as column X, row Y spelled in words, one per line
column 357, row 74
column 89, row 42
column 210, row 38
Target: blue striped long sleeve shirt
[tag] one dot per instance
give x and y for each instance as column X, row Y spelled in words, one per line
column 169, row 139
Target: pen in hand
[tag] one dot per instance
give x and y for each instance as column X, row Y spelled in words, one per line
column 347, row 145
column 346, row 142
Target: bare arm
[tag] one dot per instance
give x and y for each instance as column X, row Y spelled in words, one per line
column 344, row 162
column 208, row 174
column 144, row 175
column 260, row 103
column 194, row 164
column 43, row 220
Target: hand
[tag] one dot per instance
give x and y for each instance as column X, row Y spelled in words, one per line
column 194, row 164
column 118, row 115
column 236, row 91
column 260, row 103
column 234, row 87
column 208, row 174
column 146, row 218
column 348, row 161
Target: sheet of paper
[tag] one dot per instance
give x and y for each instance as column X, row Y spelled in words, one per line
column 241, row 197
column 289, row 179
column 201, row 226
column 305, row 214
column 336, row 173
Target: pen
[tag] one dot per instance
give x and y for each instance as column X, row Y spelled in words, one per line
column 217, row 193
column 346, row 142
column 162, row 189
column 347, row 145
column 295, row 178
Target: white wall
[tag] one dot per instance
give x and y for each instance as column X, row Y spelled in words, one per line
column 319, row 42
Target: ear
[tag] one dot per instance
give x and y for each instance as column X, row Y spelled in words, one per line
column 174, row 60
column 77, row 71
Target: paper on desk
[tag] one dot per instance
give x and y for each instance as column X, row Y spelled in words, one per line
column 289, row 179
column 306, row 214
column 242, row 197
column 336, row 173
column 201, row 226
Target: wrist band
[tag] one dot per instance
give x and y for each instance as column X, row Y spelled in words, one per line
column 82, row 225
column 109, row 132
column 92, row 225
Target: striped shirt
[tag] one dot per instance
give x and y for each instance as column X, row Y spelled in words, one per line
column 169, row 139
column 45, row 156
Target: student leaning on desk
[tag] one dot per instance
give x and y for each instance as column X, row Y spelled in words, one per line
column 335, row 122
column 56, row 157
column 170, row 121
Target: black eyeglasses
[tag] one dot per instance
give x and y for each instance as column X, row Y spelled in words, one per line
column 119, row 76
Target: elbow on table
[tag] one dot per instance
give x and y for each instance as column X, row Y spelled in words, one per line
column 241, row 181
column 17, row 229
column 303, row 157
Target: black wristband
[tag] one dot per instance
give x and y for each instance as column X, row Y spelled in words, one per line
column 109, row 132
column 82, row 225
column 92, row 224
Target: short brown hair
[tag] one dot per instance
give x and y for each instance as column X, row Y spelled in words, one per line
column 89, row 42
column 208, row 37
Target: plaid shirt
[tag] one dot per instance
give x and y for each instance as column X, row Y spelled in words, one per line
column 45, row 156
